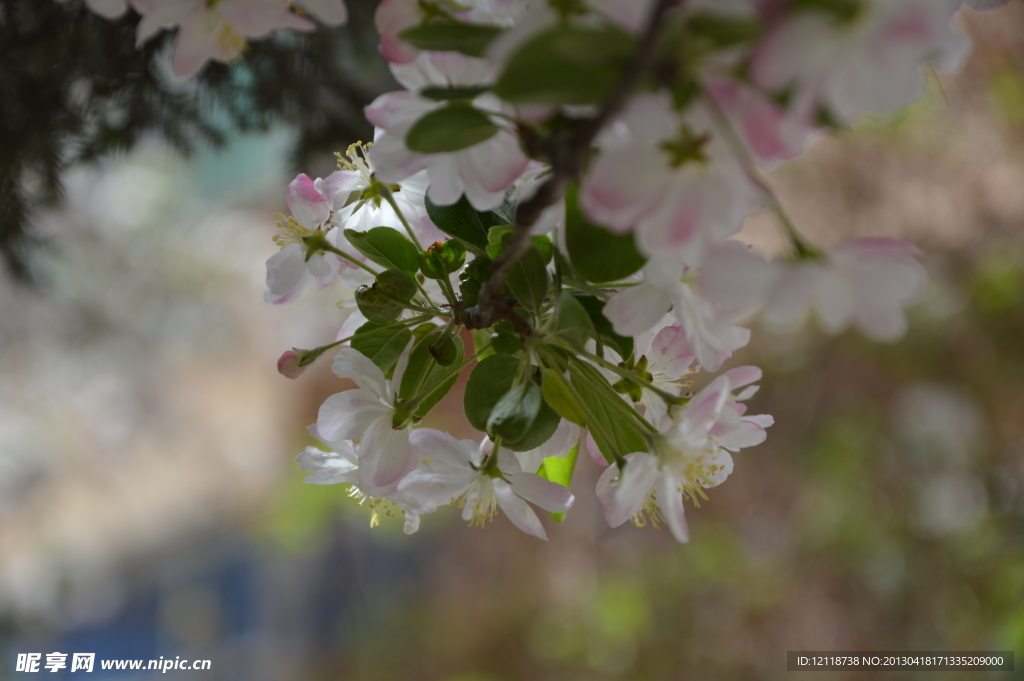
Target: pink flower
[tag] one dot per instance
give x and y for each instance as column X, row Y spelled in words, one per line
column 867, row 64
column 865, row 282
column 289, row 364
column 482, row 172
column 771, row 132
column 667, row 177
column 219, row 30
column 288, row 271
column 689, row 455
column 707, row 331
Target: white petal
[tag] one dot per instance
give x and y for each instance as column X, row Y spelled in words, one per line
column 348, row 415
column 436, row 446
column 286, row 275
column 327, row 468
column 548, row 495
column 622, row 498
column 352, row 364
column 517, row 510
column 385, row 454
column 670, row 501
column 636, row 309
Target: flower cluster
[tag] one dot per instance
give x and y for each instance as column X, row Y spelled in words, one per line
column 561, row 181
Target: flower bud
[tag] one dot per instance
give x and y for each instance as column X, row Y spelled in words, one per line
column 290, row 364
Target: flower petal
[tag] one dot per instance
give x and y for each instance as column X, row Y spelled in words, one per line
column 347, row 415
column 548, row 495
column 518, row 511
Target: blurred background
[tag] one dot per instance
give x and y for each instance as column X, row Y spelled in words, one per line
column 150, row 504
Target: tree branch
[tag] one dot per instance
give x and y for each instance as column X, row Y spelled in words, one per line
column 568, row 151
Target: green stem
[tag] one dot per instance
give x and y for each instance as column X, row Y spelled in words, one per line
column 667, row 396
column 620, row 404
column 337, row 251
column 413, row 401
column 593, row 423
column 385, row 191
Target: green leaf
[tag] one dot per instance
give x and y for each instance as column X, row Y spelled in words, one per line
column 559, row 470
column 444, row 351
column 559, row 396
column 498, row 238
column 566, row 65
column 424, row 375
column 597, row 254
column 491, row 378
column 528, row 280
column 472, row 278
column 385, row 246
column 445, row 94
column 382, row 346
column 461, row 221
column 505, row 340
column 440, row 260
column 382, row 302
column 396, row 285
column 572, row 322
column 543, row 245
column 513, row 414
column 451, row 128
column 453, row 36
column 609, row 420
column 722, row 30
column 605, row 331
column 544, row 426
column 376, row 306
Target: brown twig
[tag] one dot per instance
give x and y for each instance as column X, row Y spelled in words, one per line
column 567, row 152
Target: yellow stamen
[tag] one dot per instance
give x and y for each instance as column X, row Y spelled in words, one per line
column 290, row 231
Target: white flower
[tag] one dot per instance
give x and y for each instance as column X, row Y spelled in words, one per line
column 218, row 30
column 288, row 271
column 368, row 415
column 342, row 466
column 868, row 282
column 689, row 456
column 867, row 63
column 638, row 308
column 355, row 208
column 482, row 172
column 771, row 132
column 670, row 179
column 458, row 471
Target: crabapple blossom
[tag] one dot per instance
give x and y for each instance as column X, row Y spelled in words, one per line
column 865, row 282
column 667, row 177
column 217, row 30
column 868, row 62
column 688, row 458
column 662, row 152
column 460, row 471
column 669, row 285
column 369, row 415
column 289, row 270
column 342, row 466
column 482, row 171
